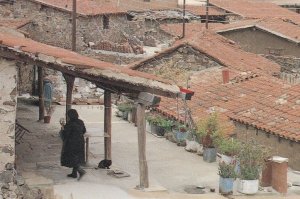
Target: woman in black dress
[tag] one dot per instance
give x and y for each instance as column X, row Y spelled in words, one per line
column 72, row 154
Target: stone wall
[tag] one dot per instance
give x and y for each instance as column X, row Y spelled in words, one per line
column 290, row 68
column 288, row 64
column 54, row 27
column 261, row 42
column 278, row 146
column 8, row 90
column 178, row 64
column 25, row 78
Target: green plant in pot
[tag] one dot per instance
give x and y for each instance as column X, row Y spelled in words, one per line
column 180, row 133
column 166, row 125
column 227, row 175
column 228, row 148
column 209, row 131
column 251, row 160
column 125, row 108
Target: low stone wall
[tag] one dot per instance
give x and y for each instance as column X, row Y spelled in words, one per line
column 290, row 68
column 288, row 64
column 12, row 185
column 8, row 101
column 279, row 146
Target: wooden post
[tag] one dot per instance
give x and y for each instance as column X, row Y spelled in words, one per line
column 144, row 181
column 70, row 84
column 206, row 21
column 87, row 151
column 107, row 125
column 41, row 93
column 74, row 13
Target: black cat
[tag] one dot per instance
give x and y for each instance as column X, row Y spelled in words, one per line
column 104, row 164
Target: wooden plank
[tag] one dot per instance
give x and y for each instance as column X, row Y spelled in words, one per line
column 70, row 84
column 144, row 180
column 41, row 93
column 107, row 124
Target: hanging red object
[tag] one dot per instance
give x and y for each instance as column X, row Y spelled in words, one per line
column 186, row 94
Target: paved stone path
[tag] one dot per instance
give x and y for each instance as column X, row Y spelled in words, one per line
column 170, row 166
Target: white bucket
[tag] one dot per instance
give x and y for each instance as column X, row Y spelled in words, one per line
column 248, row 186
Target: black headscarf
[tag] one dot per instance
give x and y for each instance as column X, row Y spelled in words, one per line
column 72, row 115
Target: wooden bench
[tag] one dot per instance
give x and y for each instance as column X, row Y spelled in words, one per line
column 87, row 137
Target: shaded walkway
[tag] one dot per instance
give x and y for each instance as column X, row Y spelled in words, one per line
column 170, row 166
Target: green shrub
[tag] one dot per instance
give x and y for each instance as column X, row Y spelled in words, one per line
column 228, row 146
column 209, row 130
column 227, row 170
column 251, row 158
column 125, row 107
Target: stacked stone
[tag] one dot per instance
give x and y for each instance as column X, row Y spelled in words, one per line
column 13, row 186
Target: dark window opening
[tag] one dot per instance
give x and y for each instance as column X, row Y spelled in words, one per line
column 105, row 22
column 129, row 17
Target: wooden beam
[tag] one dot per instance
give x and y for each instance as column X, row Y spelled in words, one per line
column 41, row 93
column 144, row 180
column 107, row 124
column 70, row 84
column 118, row 85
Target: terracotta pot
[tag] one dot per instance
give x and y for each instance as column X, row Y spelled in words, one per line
column 47, row 119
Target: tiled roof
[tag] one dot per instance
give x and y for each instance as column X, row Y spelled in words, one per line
column 92, row 7
column 201, row 10
column 260, row 101
column 279, row 27
column 223, row 50
column 250, row 9
column 13, row 23
column 68, row 60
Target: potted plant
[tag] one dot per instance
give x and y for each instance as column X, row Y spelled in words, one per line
column 180, row 133
column 251, row 160
column 228, row 148
column 49, row 112
column 227, row 176
column 125, row 108
column 209, row 131
column 164, row 125
column 159, row 124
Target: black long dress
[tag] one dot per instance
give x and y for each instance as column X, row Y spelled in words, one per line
column 72, row 154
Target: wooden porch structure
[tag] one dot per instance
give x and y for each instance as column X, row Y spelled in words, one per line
column 109, row 77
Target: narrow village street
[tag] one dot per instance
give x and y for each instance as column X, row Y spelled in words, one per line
column 172, row 170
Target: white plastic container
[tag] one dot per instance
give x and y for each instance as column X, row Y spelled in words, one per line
column 248, row 186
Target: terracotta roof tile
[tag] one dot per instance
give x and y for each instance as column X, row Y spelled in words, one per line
column 99, row 7
column 81, row 62
column 250, row 9
column 223, row 50
column 255, row 108
column 13, row 23
column 201, row 10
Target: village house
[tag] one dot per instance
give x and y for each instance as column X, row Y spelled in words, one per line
column 119, row 26
column 273, row 33
column 246, row 96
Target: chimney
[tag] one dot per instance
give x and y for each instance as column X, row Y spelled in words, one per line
column 225, row 74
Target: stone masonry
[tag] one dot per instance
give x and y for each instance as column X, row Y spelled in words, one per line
column 8, row 90
column 178, row 65
column 290, row 67
column 53, row 26
column 279, row 146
